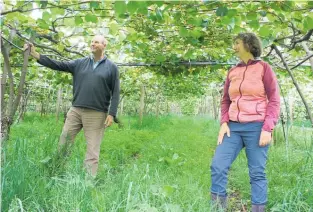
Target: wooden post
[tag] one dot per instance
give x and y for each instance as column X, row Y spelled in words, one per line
column 142, row 103
column 59, row 102
column 157, row 105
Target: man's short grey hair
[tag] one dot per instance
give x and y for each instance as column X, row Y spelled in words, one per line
column 105, row 41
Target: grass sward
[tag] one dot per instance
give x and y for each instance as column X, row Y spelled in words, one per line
column 163, row 165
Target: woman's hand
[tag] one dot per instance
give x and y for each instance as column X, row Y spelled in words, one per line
column 265, row 138
column 224, row 129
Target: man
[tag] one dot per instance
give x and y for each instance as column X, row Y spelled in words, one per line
column 96, row 90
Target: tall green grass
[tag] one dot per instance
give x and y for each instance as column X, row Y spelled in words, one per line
column 163, row 165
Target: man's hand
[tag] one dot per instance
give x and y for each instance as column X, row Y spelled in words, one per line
column 108, row 121
column 224, row 129
column 265, row 138
column 33, row 52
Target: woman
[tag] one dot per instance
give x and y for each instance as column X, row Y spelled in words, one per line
column 249, row 112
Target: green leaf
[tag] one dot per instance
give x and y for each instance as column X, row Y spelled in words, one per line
column 143, row 9
column 132, row 6
column 252, row 16
column 43, row 4
column 78, row 20
column 231, row 13
column 232, row 23
column 94, row 5
column 254, row 24
column 177, row 16
column 42, row 24
column 294, row 53
column 69, row 22
column 121, row 36
column 143, row 46
column 275, row 7
column 308, row 23
column 262, row 13
column 265, row 42
column 264, row 31
column 271, row 17
column 188, row 54
column 57, row 11
column 19, row 3
column 298, row 16
column 61, row 47
column 160, row 58
column 56, row 36
column 238, row 20
column 282, row 16
column 158, row 3
column 221, row 11
column 46, row 16
column 226, row 20
column 152, row 17
column 28, row 30
column 113, row 28
column 103, row 13
column 193, row 41
column 195, row 21
column 183, row 32
column 120, row 7
column 91, row 18
column 287, row 6
column 237, row 29
column 196, row 33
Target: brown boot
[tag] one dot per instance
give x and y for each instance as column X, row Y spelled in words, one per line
column 219, row 201
column 258, row 208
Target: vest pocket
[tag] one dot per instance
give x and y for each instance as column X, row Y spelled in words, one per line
column 260, row 108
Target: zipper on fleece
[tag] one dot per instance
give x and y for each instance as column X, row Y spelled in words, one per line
column 243, row 78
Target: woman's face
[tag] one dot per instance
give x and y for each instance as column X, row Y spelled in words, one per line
column 239, row 48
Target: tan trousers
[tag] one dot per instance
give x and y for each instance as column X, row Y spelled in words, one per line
column 92, row 122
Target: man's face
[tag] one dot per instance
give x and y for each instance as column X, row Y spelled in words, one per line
column 97, row 45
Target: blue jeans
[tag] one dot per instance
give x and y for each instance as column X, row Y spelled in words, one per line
column 241, row 135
